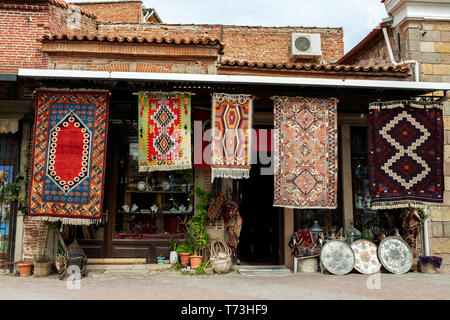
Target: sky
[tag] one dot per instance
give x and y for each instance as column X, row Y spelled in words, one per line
column 356, row 17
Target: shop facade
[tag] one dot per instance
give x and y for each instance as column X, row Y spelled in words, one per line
column 124, row 59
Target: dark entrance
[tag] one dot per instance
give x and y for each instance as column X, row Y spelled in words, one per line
column 259, row 242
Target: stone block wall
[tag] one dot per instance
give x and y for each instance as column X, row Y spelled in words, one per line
column 429, row 43
column 439, row 226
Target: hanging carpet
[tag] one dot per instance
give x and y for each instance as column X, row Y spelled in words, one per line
column 70, row 135
column 406, row 154
column 164, row 131
column 305, row 153
column 231, row 136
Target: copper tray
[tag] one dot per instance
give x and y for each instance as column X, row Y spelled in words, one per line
column 366, row 258
column 337, row 257
column 395, row 255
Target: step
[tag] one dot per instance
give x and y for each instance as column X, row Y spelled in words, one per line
column 263, row 270
column 144, row 268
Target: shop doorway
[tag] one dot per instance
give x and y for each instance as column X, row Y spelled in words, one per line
column 259, row 242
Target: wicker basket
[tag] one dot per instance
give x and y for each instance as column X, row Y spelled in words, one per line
column 220, row 256
column 221, row 265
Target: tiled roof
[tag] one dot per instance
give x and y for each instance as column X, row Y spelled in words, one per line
column 65, row 5
column 363, row 44
column 323, row 67
column 136, row 39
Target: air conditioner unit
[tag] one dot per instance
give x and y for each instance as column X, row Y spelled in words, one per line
column 306, row 45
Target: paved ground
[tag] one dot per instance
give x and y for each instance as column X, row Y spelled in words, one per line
column 171, row 285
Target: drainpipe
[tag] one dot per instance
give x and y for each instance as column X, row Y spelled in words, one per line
column 426, row 246
column 391, row 56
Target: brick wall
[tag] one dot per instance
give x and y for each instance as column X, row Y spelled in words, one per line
column 22, row 25
column 264, row 44
column 131, row 57
column 70, row 20
column 124, row 11
column 35, row 236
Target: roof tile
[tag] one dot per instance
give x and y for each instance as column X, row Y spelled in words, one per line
column 308, row 66
column 133, row 39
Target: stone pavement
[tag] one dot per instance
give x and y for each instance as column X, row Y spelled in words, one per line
column 147, row 284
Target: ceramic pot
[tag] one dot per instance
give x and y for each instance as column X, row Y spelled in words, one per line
column 184, row 258
column 173, row 257
column 25, row 268
column 381, row 237
column 195, row 261
column 42, row 269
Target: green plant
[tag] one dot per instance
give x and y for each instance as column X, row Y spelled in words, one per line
column 3, row 245
column 196, row 234
column 173, row 244
column 176, row 266
column 40, row 257
column 202, row 267
column 11, row 192
column 186, row 175
column 184, row 248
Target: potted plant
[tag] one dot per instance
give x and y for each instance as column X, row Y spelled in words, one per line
column 173, row 257
column 160, row 259
column 196, row 235
column 184, row 251
column 25, row 268
column 42, row 265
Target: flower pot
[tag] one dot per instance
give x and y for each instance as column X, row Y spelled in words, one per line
column 173, row 257
column 25, row 268
column 195, row 261
column 160, row 260
column 42, row 269
column 184, row 258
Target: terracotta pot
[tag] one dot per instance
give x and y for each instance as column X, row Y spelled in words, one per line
column 25, row 268
column 195, row 261
column 42, row 269
column 381, row 237
column 184, row 258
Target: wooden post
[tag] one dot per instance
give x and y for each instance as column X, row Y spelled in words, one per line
column 288, row 231
column 347, row 188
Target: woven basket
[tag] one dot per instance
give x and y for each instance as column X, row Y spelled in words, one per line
column 220, row 256
column 221, row 265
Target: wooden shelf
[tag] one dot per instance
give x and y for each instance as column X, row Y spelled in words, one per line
column 162, row 212
column 155, row 192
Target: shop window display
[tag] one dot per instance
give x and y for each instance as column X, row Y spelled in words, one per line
column 151, row 204
column 363, row 216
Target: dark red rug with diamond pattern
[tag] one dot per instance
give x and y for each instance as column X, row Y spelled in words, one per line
column 406, row 154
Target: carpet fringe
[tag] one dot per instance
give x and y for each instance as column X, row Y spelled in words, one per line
column 405, row 103
column 70, row 221
column 405, row 204
column 229, row 173
column 164, row 168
